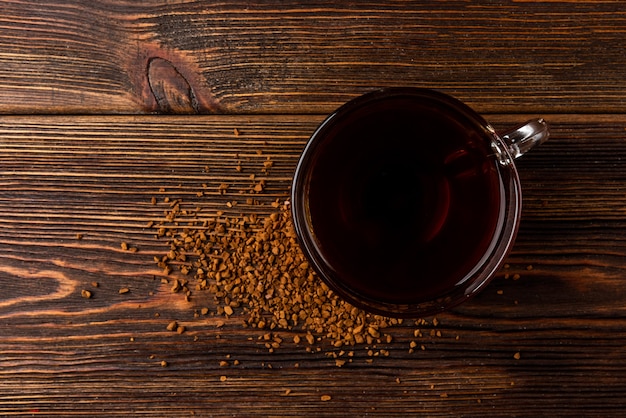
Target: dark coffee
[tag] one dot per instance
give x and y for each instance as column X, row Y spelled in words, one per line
column 404, row 198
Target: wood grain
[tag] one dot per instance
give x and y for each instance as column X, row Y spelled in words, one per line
column 64, row 355
column 293, row 57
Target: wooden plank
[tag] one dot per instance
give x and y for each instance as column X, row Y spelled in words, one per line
column 288, row 57
column 62, row 354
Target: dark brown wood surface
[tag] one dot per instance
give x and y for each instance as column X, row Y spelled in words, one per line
column 546, row 338
column 305, row 57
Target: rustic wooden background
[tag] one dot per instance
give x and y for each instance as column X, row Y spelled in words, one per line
column 103, row 104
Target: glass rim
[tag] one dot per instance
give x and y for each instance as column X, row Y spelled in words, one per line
column 472, row 282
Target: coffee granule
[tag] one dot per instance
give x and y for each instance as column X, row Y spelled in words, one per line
column 251, row 266
column 253, row 269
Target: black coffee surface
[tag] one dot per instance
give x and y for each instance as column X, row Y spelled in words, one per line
column 404, row 200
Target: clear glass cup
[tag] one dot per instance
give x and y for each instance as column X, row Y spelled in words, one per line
column 406, row 201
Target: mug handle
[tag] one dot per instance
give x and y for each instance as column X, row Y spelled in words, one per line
column 526, row 136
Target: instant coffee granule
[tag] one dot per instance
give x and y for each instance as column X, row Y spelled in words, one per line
column 252, row 267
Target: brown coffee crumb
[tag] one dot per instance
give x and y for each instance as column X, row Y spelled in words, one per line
column 517, row 355
column 124, row 290
column 252, row 267
column 325, row 398
column 85, row 294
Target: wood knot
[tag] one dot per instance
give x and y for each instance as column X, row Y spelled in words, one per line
column 172, row 91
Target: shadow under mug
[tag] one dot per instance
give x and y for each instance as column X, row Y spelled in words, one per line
column 406, row 201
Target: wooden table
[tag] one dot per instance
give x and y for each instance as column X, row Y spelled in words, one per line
column 105, row 105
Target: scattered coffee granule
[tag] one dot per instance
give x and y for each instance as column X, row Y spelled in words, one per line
column 253, row 266
column 85, row 293
column 164, row 363
column 517, row 356
column 325, row 398
column 222, row 188
column 124, row 290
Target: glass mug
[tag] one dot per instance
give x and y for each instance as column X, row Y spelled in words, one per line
column 406, row 202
